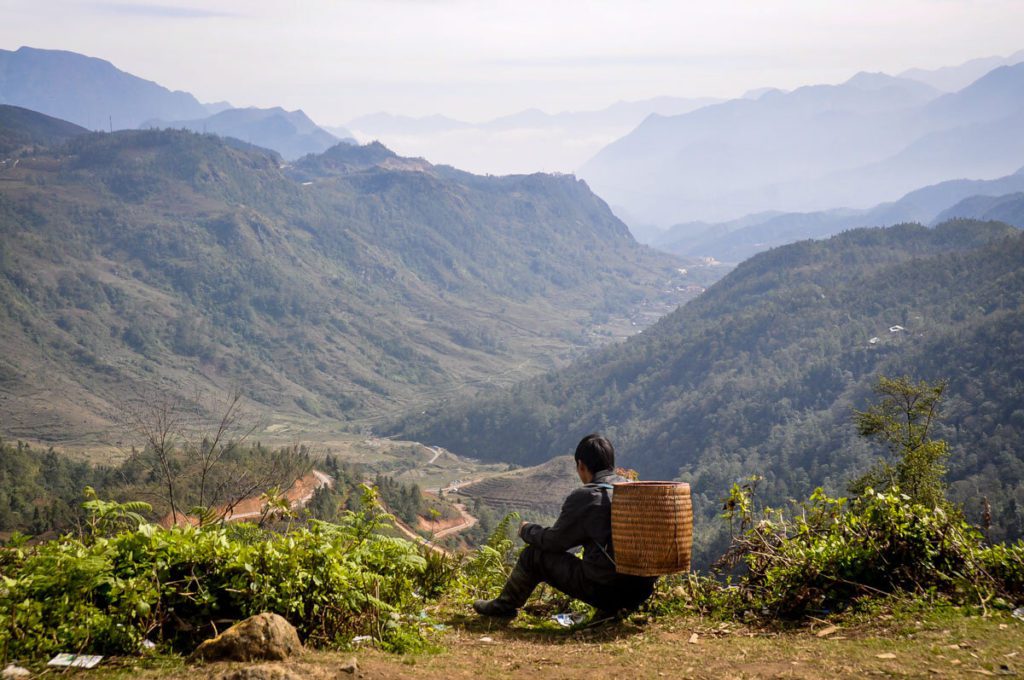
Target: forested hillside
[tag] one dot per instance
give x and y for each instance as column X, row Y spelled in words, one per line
column 356, row 283
column 22, row 127
column 760, row 375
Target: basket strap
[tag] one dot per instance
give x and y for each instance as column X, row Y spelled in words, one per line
column 606, row 487
column 606, row 554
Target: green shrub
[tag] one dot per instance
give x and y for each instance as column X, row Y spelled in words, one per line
column 106, row 594
column 831, row 555
column 834, row 552
column 486, row 571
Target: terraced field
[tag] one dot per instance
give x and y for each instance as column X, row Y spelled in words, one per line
column 540, row 488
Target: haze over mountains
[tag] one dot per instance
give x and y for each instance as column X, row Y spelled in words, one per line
column 953, row 78
column 96, row 95
column 290, row 133
column 739, row 239
column 528, row 141
column 865, row 141
column 87, row 91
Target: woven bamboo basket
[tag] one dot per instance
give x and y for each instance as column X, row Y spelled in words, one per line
column 652, row 528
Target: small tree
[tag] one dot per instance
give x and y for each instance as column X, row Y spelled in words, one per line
column 203, row 465
column 902, row 420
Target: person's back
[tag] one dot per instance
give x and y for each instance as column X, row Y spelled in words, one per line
column 585, row 521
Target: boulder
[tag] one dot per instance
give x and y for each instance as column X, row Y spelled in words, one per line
column 264, row 672
column 262, row 637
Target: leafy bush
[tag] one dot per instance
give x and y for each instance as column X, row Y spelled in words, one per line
column 106, row 594
column 485, row 573
column 833, row 552
column 830, row 555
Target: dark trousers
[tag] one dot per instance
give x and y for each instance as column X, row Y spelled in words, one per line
column 564, row 571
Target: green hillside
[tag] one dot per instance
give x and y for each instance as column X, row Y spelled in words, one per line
column 168, row 260
column 760, row 374
column 22, row 127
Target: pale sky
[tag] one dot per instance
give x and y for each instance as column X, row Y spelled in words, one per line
column 475, row 60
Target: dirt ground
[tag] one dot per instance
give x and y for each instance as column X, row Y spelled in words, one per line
column 940, row 644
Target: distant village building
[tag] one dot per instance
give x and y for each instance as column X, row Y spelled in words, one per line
column 873, row 341
column 896, row 329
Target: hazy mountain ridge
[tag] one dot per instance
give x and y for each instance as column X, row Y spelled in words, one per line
column 167, row 256
column 739, row 239
column 759, row 374
column 953, row 78
column 865, row 141
column 95, row 94
column 1008, row 208
column 290, row 133
column 87, row 91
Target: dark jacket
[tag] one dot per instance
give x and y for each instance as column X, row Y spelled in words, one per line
column 585, row 520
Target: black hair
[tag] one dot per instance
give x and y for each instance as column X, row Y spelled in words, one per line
column 596, row 452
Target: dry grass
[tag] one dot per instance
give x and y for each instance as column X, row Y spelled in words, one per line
column 939, row 643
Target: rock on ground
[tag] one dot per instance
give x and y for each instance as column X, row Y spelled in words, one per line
column 262, row 637
column 265, row 672
column 277, row 671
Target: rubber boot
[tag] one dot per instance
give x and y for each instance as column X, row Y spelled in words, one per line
column 517, row 590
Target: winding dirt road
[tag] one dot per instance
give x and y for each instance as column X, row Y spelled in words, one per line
column 408, row 532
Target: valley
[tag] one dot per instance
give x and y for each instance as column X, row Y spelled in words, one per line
column 380, row 288
column 761, row 375
column 254, row 367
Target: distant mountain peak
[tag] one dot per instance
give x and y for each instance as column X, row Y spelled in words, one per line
column 858, row 143
column 759, row 92
column 867, row 80
column 290, row 133
column 954, row 78
column 87, row 91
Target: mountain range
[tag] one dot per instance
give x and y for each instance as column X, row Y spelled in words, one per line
column 351, row 284
column 760, row 375
column 96, row 95
column 1008, row 209
column 87, row 91
column 953, row 78
column 865, row 141
column 290, row 133
column 739, row 239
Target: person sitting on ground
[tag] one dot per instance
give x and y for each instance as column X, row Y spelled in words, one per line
column 585, row 520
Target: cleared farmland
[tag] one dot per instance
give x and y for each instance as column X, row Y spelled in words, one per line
column 541, row 488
